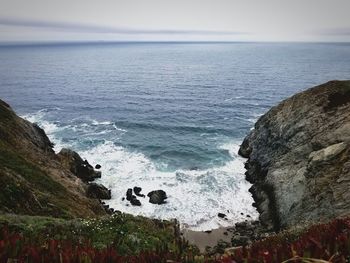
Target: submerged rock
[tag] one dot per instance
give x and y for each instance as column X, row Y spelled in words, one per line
column 98, row 191
column 221, row 215
column 157, row 197
column 299, row 157
column 137, row 191
column 134, row 201
column 129, row 194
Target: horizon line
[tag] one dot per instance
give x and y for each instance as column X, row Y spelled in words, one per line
column 107, row 42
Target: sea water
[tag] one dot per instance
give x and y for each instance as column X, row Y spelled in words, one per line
column 167, row 116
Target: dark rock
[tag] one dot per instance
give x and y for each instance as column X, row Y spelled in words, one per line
column 77, row 166
column 221, row 215
column 137, row 191
column 98, row 191
column 238, row 240
column 157, row 197
column 123, row 198
column 245, row 149
column 134, row 201
column 97, row 166
column 241, row 224
column 255, row 223
column 45, row 141
column 208, row 231
column 129, row 194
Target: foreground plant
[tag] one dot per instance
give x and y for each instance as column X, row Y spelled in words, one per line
column 119, row 238
column 319, row 244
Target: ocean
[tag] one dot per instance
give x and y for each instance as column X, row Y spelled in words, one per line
column 165, row 116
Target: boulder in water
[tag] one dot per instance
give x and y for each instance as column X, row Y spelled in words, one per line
column 129, row 194
column 221, row 215
column 137, row 191
column 134, row 201
column 157, row 197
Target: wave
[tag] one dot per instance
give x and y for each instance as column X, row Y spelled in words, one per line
column 195, row 197
column 181, row 128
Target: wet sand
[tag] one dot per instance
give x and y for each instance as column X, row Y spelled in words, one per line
column 203, row 239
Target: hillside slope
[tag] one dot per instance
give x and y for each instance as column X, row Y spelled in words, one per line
column 33, row 179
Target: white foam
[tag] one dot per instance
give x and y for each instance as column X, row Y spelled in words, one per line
column 118, row 129
column 95, row 122
column 194, row 197
column 49, row 127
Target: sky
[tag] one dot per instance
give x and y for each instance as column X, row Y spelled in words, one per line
column 175, row 20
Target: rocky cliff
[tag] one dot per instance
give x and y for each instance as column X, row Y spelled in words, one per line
column 299, row 157
column 36, row 181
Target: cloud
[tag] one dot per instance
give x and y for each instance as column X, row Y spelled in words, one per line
column 336, row 32
column 88, row 28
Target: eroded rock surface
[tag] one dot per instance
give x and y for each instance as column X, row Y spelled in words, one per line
column 299, row 157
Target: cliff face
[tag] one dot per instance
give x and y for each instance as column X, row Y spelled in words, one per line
column 299, row 157
column 33, row 179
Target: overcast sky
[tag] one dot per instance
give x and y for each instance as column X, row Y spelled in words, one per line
column 175, row 20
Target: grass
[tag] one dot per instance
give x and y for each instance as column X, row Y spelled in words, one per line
column 30, row 172
column 26, row 189
column 129, row 235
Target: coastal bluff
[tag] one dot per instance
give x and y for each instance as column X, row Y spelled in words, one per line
column 299, row 158
column 34, row 180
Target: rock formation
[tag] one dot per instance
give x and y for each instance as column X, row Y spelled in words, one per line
column 33, row 179
column 299, row 157
column 157, row 197
column 98, row 191
column 82, row 169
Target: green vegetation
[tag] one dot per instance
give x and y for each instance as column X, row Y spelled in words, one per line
column 30, row 172
column 25, row 188
column 128, row 235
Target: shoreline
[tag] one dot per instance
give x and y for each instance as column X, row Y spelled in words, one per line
column 204, row 239
column 214, row 241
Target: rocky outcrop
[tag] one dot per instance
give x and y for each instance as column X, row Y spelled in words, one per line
column 98, row 191
column 81, row 168
column 36, row 181
column 299, row 157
